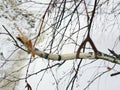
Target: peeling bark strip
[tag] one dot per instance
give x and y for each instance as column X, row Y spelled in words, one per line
column 72, row 56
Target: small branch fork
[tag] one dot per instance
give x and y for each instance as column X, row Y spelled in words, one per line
column 88, row 39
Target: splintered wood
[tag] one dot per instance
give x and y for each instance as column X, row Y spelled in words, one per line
column 28, row 43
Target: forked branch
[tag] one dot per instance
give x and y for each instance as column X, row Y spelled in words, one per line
column 88, row 39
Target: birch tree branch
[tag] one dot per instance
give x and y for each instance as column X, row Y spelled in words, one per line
column 71, row 56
